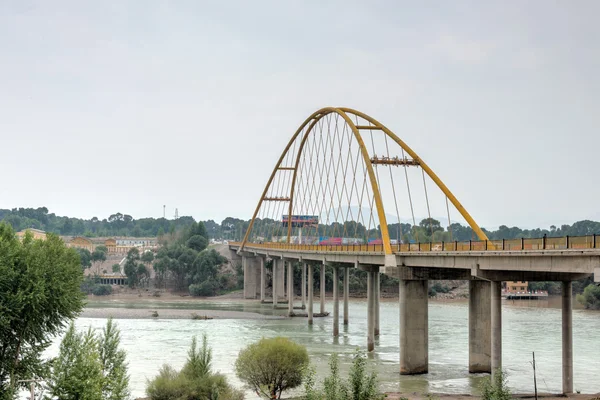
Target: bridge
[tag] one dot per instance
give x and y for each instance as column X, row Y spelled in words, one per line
column 326, row 203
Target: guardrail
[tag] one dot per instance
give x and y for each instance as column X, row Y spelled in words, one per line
column 544, row 243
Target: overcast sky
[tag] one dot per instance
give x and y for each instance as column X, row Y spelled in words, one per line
column 124, row 106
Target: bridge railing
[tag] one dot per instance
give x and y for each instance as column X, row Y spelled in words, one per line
column 544, row 243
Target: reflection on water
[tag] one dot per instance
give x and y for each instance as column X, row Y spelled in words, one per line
column 151, row 343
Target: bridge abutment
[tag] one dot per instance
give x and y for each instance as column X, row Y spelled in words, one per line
column 251, row 276
column 414, row 329
column 480, row 344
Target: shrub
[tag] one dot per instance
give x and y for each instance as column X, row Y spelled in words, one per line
column 206, row 288
column 590, row 297
column 496, row 388
column 286, row 362
column 360, row 385
column 194, row 382
column 101, row 290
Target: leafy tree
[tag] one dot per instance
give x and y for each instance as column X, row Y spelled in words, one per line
column 39, row 293
column 197, row 243
column 77, row 372
column 206, row 265
column 90, row 366
column 131, row 266
column 496, row 388
column 590, row 297
column 85, row 258
column 114, row 366
column 116, row 268
column 147, row 257
column 286, row 361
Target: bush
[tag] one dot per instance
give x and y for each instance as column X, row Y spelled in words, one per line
column 590, row 297
column 286, row 362
column 206, row 288
column 101, row 290
column 496, row 388
column 194, row 382
column 359, row 385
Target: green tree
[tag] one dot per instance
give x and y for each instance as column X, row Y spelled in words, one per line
column 197, row 243
column 77, row 371
column 590, row 297
column 496, row 388
column 85, row 258
column 131, row 267
column 116, row 268
column 147, row 257
column 286, row 362
column 39, row 293
column 115, row 385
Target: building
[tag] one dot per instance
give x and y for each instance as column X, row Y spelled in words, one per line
column 37, row 234
column 517, row 287
column 81, row 242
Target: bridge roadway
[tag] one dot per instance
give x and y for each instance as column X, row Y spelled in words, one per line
column 484, row 266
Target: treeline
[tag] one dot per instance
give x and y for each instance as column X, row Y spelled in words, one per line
column 230, row 228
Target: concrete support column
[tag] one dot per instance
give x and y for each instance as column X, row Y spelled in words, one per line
column 496, row 314
column 567, row 337
column 275, row 281
column 249, row 277
column 370, row 311
column 280, row 278
column 480, row 343
column 322, row 287
column 346, row 293
column 336, row 302
column 290, row 287
column 414, row 329
column 303, row 282
column 377, row 298
column 311, row 286
column 263, row 277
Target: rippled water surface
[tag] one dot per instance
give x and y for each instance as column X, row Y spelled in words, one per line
column 151, row 343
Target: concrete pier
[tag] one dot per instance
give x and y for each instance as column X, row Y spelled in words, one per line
column 263, row 277
column 311, row 286
column 496, row 328
column 370, row 310
column 250, row 275
column 290, row 287
column 346, row 293
column 303, row 282
column 480, row 343
column 280, row 278
column 414, row 329
column 336, row 302
column 377, row 300
column 567, row 337
column 322, row 287
column 275, row 281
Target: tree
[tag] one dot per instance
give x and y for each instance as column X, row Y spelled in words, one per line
column 197, row 243
column 85, row 258
column 77, row 372
column 590, row 297
column 116, row 381
column 116, row 268
column 286, row 362
column 90, row 366
column 131, row 266
column 39, row 293
column 147, row 257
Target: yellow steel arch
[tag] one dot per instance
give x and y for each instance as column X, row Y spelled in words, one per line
column 343, row 112
column 480, row 234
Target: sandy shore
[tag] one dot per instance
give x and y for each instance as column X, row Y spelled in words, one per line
column 170, row 313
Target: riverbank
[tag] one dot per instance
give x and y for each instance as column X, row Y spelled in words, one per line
column 170, row 313
column 443, row 396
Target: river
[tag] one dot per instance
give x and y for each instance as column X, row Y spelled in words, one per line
column 535, row 328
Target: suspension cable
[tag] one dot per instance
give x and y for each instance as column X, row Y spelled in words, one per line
column 412, row 211
column 399, row 239
column 427, row 201
column 449, row 223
